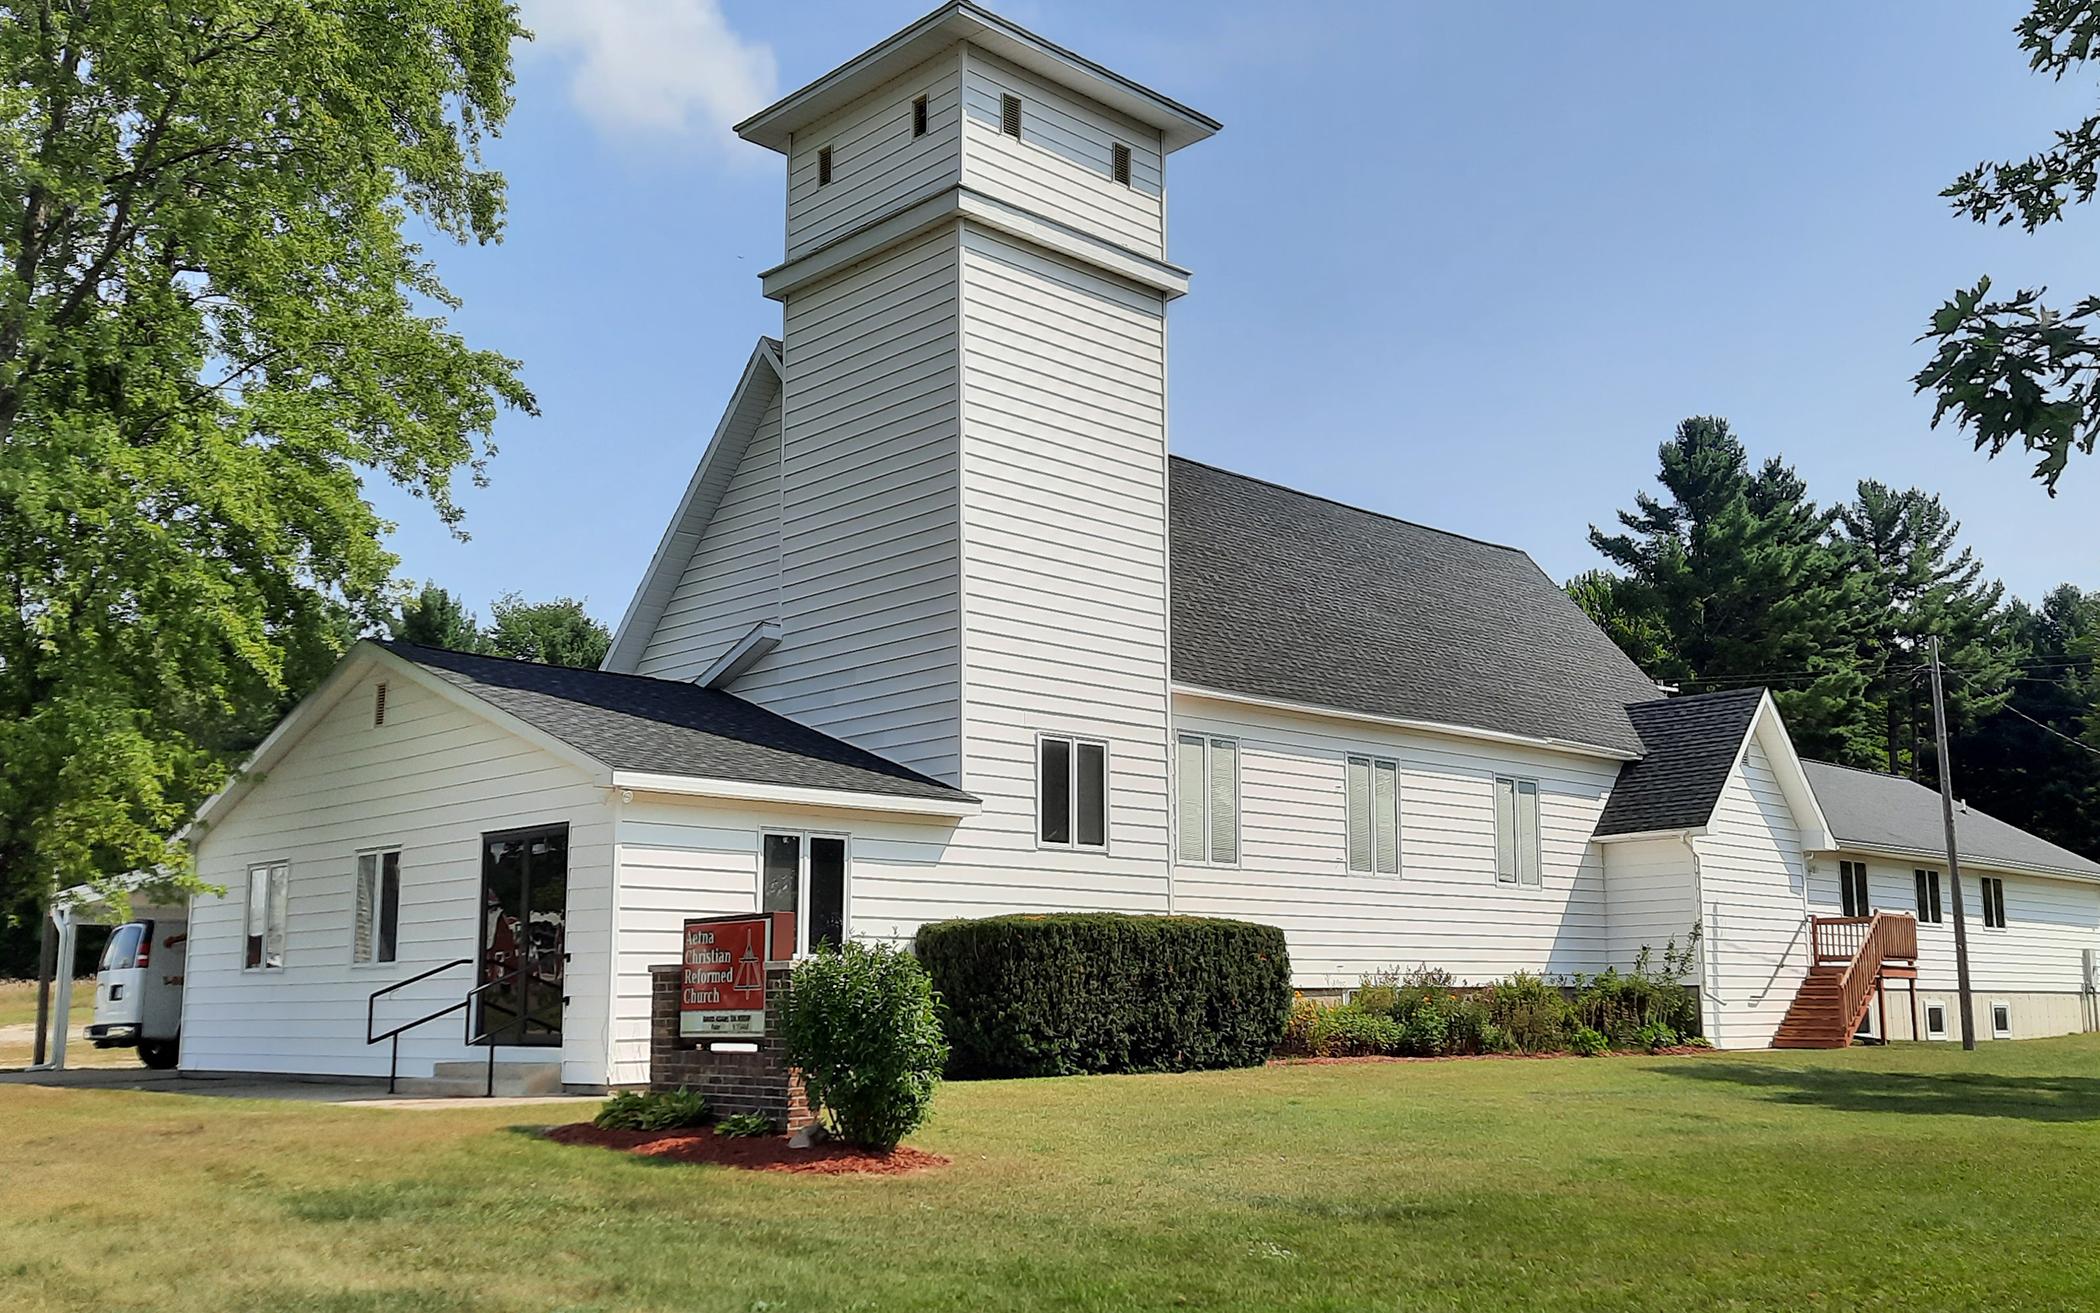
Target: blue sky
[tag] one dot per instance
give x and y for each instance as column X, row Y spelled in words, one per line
column 1465, row 263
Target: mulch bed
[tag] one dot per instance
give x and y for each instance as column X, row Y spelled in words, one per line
column 755, row 1153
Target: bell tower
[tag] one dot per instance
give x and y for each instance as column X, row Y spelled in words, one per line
column 973, row 421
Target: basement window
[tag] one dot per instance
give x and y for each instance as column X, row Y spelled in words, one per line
column 1992, row 890
column 2001, row 1020
column 1852, row 887
column 1935, row 1020
column 1928, row 897
column 1119, row 164
column 918, row 117
column 1010, row 116
column 824, row 167
column 1516, row 832
column 1071, row 792
column 1373, row 802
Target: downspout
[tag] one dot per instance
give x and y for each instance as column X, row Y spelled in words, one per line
column 1709, row 994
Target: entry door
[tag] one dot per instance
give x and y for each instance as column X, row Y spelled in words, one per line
column 524, row 936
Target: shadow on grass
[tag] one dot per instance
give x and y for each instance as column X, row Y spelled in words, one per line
column 1962, row 1094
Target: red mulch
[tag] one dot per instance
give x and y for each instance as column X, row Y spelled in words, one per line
column 755, row 1153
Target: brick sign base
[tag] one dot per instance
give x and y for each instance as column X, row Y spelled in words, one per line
column 760, row 1082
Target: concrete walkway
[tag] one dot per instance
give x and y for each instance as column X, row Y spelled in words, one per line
column 349, row 1093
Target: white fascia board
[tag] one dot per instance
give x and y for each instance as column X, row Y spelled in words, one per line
column 1396, row 722
column 774, row 126
column 743, row 654
column 1936, row 859
column 698, row 786
column 1793, row 778
column 762, row 372
column 366, row 657
column 1682, row 832
column 949, row 202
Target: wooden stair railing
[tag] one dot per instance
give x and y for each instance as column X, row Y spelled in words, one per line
column 1848, row 957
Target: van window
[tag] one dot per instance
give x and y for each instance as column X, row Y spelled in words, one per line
column 124, row 944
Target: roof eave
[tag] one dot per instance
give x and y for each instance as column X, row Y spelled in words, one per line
column 774, row 126
column 1938, row 857
column 1397, row 722
column 957, row 806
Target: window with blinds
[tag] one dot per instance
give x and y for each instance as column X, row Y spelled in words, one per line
column 1207, row 811
column 1374, row 815
column 1516, row 831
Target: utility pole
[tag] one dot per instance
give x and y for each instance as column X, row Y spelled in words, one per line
column 1961, row 926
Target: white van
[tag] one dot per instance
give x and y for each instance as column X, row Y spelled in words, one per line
column 138, row 991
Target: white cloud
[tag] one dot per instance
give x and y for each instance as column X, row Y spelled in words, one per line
column 661, row 67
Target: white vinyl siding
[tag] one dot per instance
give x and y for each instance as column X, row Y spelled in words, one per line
column 1207, row 817
column 432, row 785
column 1752, row 875
column 878, row 165
column 1652, row 897
column 2050, row 923
column 1294, row 871
column 1516, row 831
column 1374, row 815
column 1062, row 164
column 732, row 581
column 869, row 571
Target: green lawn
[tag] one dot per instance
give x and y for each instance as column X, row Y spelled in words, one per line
column 1908, row 1178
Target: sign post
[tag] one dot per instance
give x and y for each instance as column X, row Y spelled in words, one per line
column 722, row 978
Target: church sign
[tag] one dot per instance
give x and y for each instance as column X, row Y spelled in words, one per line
column 722, row 980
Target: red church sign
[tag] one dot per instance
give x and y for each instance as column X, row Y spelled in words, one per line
column 722, row 987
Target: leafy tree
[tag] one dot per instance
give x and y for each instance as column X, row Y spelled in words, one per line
column 2015, row 369
column 1735, row 570
column 1617, row 608
column 2036, row 761
column 560, row 632
column 211, row 320
column 435, row 618
column 1919, row 587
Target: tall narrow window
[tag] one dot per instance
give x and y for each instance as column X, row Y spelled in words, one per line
column 1373, row 800
column 1852, row 887
column 1928, row 897
column 1517, row 831
column 918, row 117
column 267, row 887
column 1072, row 793
column 376, row 918
column 1992, row 890
column 802, row 882
column 1119, row 163
column 1207, row 819
column 824, row 166
column 1010, row 116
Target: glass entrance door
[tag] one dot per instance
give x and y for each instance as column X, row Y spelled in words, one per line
column 524, row 935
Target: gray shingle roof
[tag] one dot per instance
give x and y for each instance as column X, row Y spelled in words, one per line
column 1284, row 595
column 634, row 722
column 1692, row 744
column 1867, row 809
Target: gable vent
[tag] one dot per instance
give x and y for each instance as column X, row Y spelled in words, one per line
column 1119, row 164
column 824, row 167
column 379, row 704
column 918, row 117
column 1010, row 116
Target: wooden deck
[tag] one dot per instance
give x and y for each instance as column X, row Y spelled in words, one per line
column 1853, row 958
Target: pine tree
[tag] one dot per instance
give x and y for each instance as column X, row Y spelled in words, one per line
column 1737, row 569
column 1903, row 547
column 2035, row 762
column 435, row 618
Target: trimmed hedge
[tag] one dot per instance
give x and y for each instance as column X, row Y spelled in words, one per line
column 1066, row 993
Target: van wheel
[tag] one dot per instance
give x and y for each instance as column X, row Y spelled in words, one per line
column 158, row 1054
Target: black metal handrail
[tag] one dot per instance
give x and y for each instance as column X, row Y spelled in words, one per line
column 519, row 1024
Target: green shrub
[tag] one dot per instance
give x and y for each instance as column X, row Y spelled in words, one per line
column 1494, row 1039
column 1534, row 1012
column 1351, row 1032
column 1586, row 1042
column 1427, row 1031
column 1298, row 1029
column 1380, row 999
column 860, row 1025
column 1424, row 986
column 1065, row 993
column 1472, row 1029
column 744, row 1125
column 1622, row 1005
column 651, row 1110
column 1655, row 1035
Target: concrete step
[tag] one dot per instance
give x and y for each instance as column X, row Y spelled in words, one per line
column 469, row 1080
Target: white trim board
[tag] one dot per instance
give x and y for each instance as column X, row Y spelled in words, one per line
column 1425, row 726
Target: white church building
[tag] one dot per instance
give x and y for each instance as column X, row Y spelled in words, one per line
column 941, row 629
